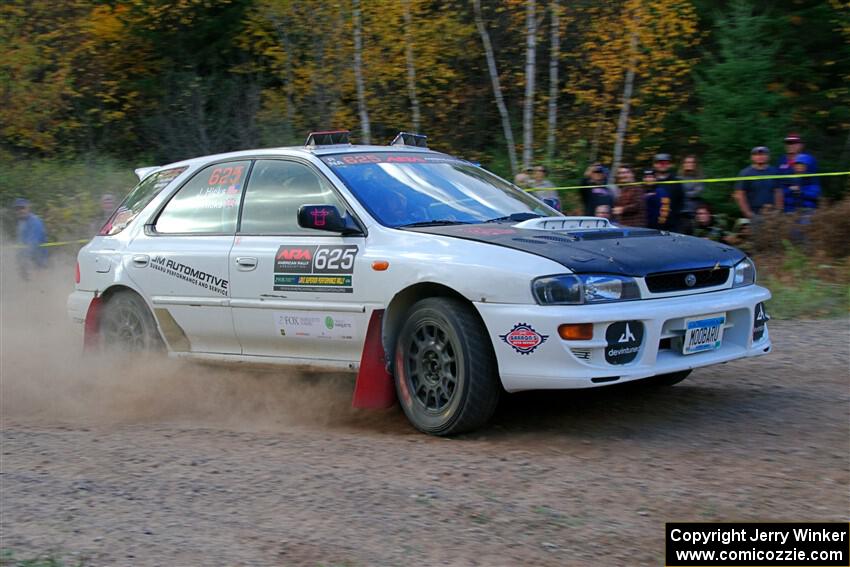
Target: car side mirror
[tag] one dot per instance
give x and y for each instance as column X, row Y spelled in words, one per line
column 326, row 217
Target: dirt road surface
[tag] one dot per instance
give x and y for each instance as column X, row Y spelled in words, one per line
column 152, row 462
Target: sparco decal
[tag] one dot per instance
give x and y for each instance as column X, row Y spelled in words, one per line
column 523, row 338
column 192, row 275
column 326, row 269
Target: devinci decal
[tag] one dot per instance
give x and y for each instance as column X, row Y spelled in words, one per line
column 325, row 269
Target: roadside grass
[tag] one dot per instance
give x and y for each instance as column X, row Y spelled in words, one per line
column 805, row 285
column 8, row 558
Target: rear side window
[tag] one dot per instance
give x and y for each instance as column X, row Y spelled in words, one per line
column 208, row 203
column 138, row 199
column 275, row 192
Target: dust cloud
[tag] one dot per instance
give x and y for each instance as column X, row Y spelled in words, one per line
column 45, row 377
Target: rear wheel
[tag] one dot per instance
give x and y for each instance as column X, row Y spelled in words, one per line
column 665, row 380
column 445, row 369
column 127, row 325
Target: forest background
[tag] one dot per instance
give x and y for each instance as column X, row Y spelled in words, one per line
column 91, row 89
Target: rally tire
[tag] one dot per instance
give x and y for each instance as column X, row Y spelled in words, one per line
column 445, row 369
column 127, row 325
column 667, row 380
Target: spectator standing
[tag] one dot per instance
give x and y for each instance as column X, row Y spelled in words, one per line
column 688, row 173
column 596, row 192
column 793, row 148
column 31, row 235
column 756, row 195
column 801, row 193
column 653, row 199
column 672, row 194
column 630, row 208
column 107, row 207
column 603, row 212
column 540, row 181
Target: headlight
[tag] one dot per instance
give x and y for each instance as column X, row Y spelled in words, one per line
column 745, row 273
column 582, row 288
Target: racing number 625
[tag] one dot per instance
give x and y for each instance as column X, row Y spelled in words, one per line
column 334, row 258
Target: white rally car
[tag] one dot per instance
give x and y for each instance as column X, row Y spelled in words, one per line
column 440, row 283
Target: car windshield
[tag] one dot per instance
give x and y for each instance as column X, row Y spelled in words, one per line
column 407, row 189
column 138, row 199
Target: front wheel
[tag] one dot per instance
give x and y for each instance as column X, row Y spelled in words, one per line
column 127, row 325
column 445, row 368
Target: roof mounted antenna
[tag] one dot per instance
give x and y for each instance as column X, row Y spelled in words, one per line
column 327, row 138
column 410, row 139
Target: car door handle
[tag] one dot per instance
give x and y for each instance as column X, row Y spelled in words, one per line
column 141, row 260
column 246, row 263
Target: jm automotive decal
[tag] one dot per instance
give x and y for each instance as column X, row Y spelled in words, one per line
column 187, row 273
column 318, row 326
column 325, row 269
column 523, row 338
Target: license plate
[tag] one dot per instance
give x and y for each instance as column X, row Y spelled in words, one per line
column 704, row 333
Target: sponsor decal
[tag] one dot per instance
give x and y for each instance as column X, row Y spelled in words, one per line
column 325, row 269
column 624, row 339
column 354, row 159
column 760, row 319
column 192, row 275
column 314, row 325
column 523, row 338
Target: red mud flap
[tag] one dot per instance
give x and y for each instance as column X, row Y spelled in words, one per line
column 374, row 388
column 91, row 328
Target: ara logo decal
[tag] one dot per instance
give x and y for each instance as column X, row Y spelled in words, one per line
column 295, row 253
column 523, row 338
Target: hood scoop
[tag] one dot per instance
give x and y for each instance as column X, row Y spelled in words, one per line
column 564, row 223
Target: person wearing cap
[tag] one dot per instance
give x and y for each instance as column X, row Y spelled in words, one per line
column 595, row 191
column 31, row 235
column 754, row 196
column 654, row 199
column 801, row 193
column 671, row 194
column 794, row 148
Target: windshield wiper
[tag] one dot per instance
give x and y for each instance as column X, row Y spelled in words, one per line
column 516, row 217
column 438, row 222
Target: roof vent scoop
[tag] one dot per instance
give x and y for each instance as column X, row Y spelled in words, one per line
column 328, row 138
column 410, row 139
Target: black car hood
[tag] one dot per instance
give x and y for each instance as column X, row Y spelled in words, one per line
column 617, row 250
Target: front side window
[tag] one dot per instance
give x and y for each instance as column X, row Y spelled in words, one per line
column 208, row 203
column 406, row 188
column 276, row 190
column 138, row 199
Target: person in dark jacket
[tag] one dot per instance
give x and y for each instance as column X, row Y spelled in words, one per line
column 673, row 192
column 753, row 195
column 599, row 193
column 793, row 148
column 801, row 193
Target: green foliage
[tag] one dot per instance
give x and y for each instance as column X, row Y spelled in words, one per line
column 9, row 559
column 65, row 194
column 799, row 291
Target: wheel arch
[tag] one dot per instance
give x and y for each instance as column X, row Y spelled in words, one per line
column 95, row 313
column 400, row 304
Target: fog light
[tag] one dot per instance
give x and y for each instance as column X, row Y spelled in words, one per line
column 576, row 331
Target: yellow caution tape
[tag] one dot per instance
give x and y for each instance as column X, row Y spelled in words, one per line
column 712, row 180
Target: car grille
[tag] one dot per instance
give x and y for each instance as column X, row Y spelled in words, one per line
column 677, row 281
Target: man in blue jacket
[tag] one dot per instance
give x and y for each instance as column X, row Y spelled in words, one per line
column 31, row 235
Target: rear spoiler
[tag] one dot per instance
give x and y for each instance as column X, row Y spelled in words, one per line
column 142, row 172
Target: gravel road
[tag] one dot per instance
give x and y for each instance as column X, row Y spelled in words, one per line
column 152, row 462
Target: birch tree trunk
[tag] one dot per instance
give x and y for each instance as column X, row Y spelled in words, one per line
column 530, row 68
column 623, row 122
column 497, row 88
column 365, row 129
column 411, row 66
column 554, row 56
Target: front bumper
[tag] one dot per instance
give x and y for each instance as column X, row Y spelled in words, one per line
column 564, row 364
